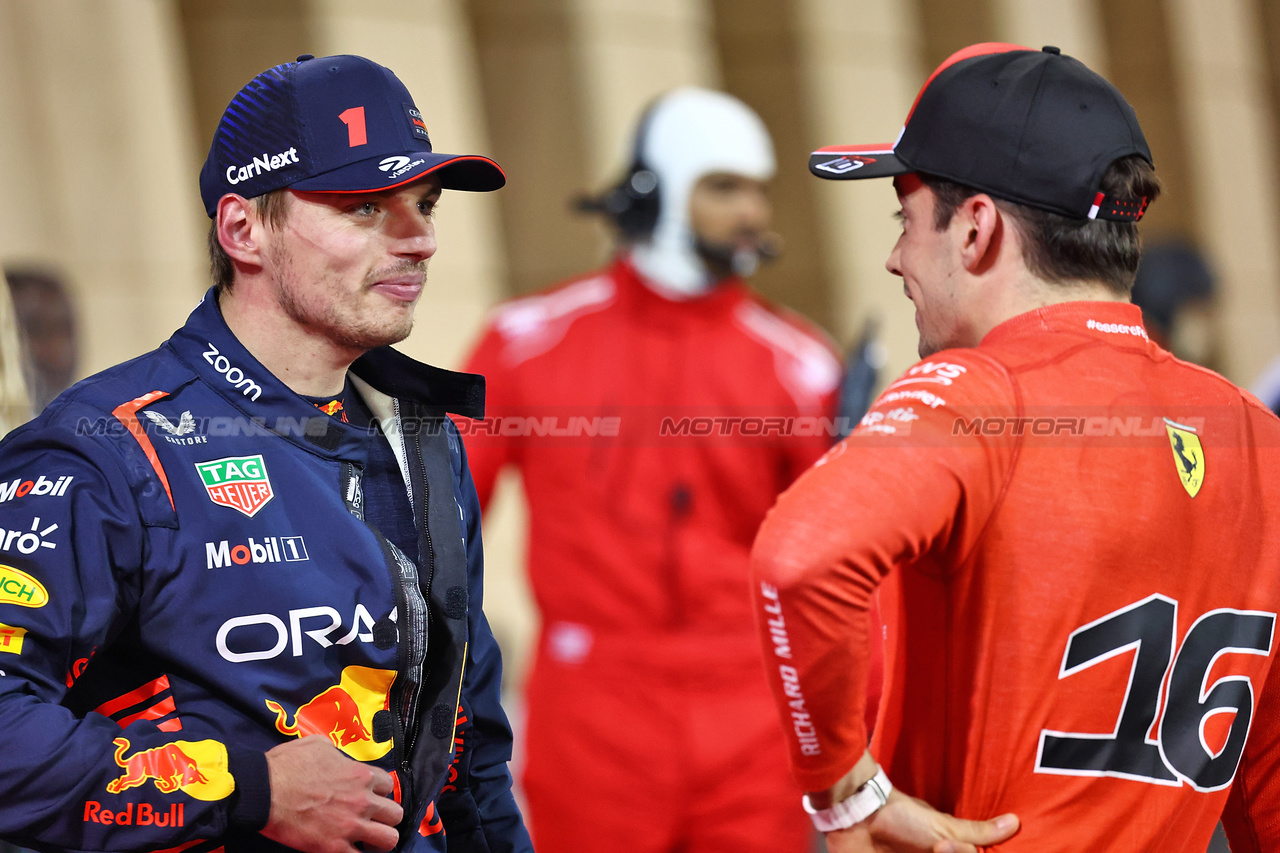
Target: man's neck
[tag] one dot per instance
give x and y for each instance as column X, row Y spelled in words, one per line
column 308, row 363
column 1031, row 292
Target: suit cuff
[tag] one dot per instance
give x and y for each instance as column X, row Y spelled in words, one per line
column 250, row 803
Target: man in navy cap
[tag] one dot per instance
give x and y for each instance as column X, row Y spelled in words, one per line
column 240, row 576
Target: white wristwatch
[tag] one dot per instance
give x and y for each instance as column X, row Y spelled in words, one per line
column 864, row 802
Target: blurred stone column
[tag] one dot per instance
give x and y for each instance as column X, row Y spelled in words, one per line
column 1142, row 62
column 95, row 169
column 14, row 409
column 861, row 76
column 627, row 54
column 761, row 63
column 1072, row 25
column 1222, row 75
column 533, row 96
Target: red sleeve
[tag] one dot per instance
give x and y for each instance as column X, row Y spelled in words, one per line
column 1252, row 814
column 802, row 452
column 487, row 450
column 905, row 485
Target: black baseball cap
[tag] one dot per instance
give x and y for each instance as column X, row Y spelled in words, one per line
column 1029, row 126
column 333, row 124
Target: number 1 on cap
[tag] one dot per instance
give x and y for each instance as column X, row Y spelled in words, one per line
column 354, row 120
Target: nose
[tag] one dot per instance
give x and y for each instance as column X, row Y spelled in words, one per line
column 413, row 234
column 756, row 211
column 892, row 262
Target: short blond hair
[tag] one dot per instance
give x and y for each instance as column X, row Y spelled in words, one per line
column 273, row 207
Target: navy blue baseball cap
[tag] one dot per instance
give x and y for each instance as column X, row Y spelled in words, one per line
column 332, row 124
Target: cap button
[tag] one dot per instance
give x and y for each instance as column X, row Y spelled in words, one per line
column 304, row 57
column 1048, row 48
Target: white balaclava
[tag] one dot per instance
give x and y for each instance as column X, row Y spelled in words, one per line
column 689, row 133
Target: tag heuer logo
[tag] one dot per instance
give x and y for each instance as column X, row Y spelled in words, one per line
column 1188, row 455
column 239, row 482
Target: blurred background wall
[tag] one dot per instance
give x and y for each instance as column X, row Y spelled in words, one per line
column 108, row 107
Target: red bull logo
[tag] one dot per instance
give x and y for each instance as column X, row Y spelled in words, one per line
column 197, row 768
column 147, row 815
column 344, row 712
column 334, row 408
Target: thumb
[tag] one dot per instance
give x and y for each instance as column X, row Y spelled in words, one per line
column 980, row 833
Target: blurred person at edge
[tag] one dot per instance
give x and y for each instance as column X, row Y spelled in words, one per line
column 649, row 721
column 222, row 559
column 1072, row 531
column 15, row 407
column 47, row 320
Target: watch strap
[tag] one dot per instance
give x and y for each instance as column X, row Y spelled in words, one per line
column 859, row 806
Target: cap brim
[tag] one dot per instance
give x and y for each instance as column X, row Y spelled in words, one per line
column 854, row 162
column 468, row 172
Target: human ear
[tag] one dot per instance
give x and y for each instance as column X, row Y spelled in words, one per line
column 237, row 230
column 982, row 232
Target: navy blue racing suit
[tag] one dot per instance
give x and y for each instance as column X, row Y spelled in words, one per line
column 187, row 579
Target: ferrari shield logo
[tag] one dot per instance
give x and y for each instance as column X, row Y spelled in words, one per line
column 1188, row 455
column 239, row 482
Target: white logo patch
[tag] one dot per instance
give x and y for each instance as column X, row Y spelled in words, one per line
column 42, row 485
column 234, row 375
column 186, row 424
column 398, row 165
column 392, row 163
column 258, row 165
column 840, row 165
column 27, row 542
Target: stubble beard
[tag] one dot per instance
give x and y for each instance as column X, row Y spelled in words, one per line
column 343, row 328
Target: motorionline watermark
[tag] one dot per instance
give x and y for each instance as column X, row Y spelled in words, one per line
column 1090, row 426
column 190, row 430
column 921, row 424
column 635, row 424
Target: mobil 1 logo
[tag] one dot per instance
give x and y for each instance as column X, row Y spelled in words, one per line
column 269, row 549
column 41, row 485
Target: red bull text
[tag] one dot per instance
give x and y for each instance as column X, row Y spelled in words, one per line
column 146, row 815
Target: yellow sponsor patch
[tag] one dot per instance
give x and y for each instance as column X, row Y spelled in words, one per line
column 1188, row 455
column 11, row 639
column 18, row 587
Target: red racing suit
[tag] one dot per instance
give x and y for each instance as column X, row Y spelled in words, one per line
column 652, row 436
column 1078, row 553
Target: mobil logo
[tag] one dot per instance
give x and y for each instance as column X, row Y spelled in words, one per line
column 344, row 712
column 269, row 549
column 41, row 485
column 238, row 482
column 197, row 768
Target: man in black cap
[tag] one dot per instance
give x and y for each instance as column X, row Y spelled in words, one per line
column 241, row 575
column 1077, row 564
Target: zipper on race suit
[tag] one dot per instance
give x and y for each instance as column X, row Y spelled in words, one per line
column 411, row 610
column 426, row 555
